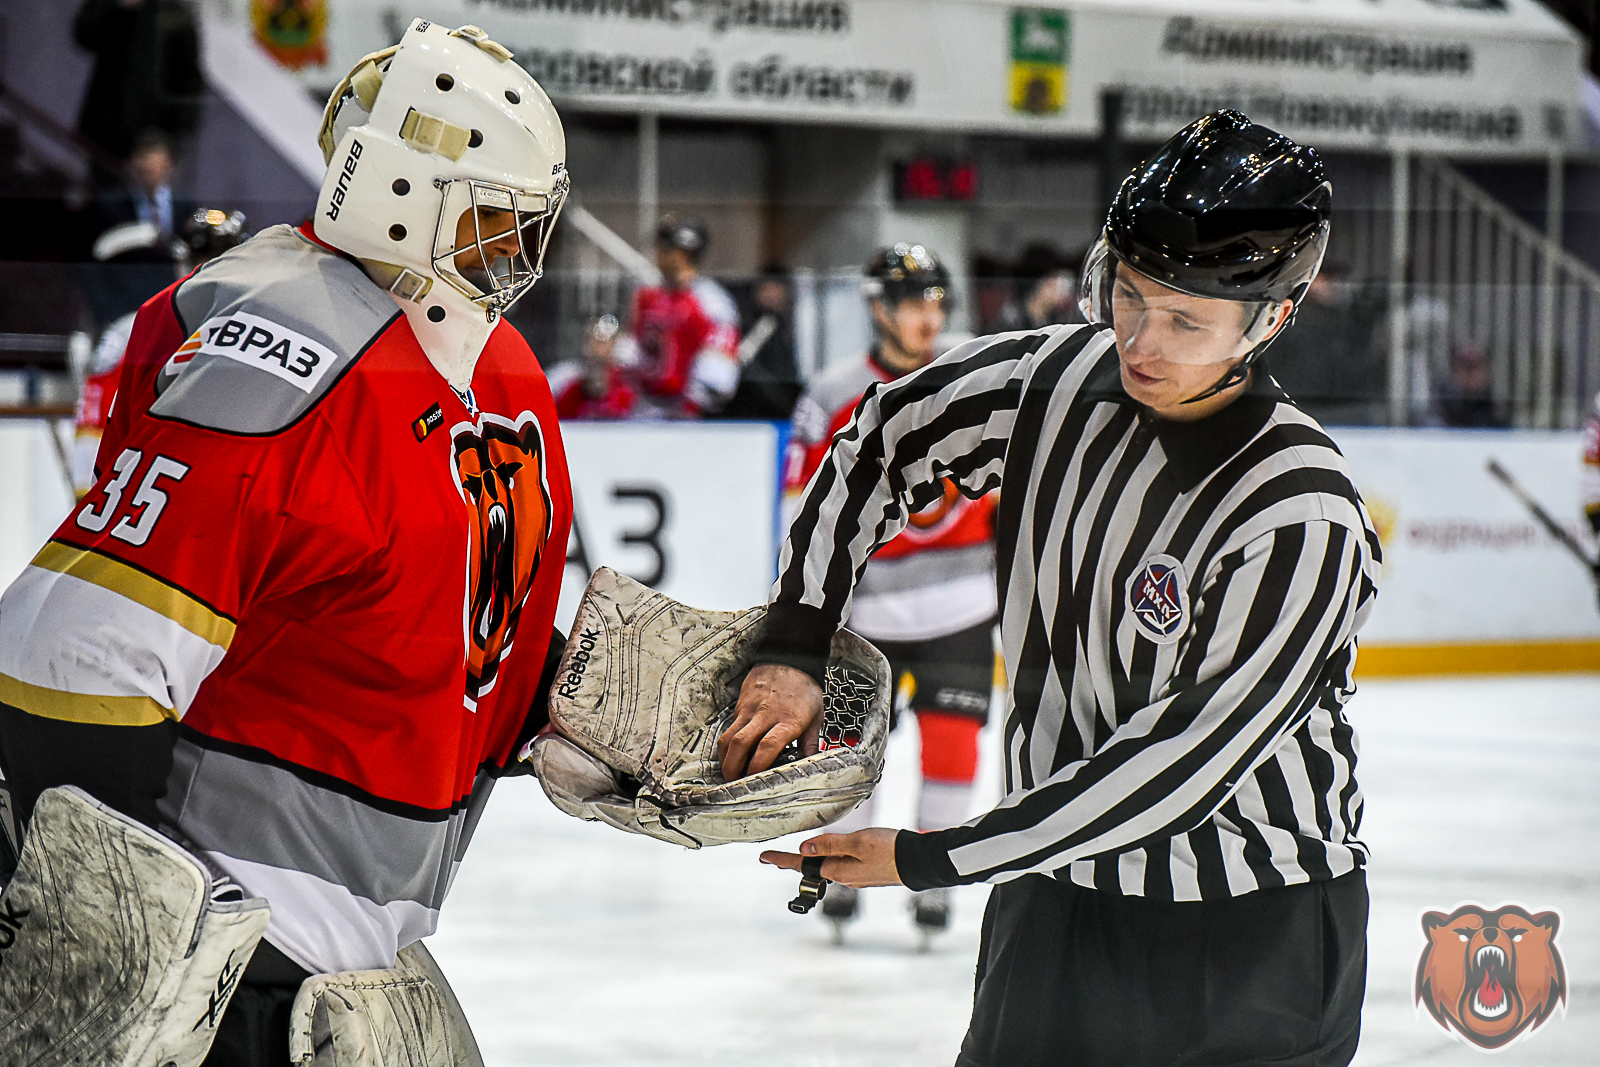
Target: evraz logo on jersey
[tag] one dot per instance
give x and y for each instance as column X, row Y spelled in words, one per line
column 261, row 343
column 1158, row 599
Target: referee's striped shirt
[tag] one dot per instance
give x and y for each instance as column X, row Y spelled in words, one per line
column 1179, row 605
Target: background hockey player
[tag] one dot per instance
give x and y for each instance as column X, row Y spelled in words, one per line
column 280, row 627
column 1183, row 565
column 927, row 599
column 684, row 332
column 593, row 386
column 203, row 236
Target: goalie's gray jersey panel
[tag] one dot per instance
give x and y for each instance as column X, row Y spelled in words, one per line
column 274, row 324
column 352, row 878
column 269, row 815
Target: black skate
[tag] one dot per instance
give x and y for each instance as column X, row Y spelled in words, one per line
column 840, row 906
column 931, row 910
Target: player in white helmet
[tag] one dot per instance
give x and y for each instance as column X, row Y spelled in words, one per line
column 445, row 178
column 244, row 655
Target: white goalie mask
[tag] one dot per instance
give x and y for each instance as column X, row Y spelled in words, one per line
column 447, row 163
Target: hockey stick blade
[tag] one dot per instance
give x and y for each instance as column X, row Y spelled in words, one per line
column 1559, row 532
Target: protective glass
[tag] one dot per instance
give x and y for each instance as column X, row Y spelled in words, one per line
column 1192, row 333
column 491, row 239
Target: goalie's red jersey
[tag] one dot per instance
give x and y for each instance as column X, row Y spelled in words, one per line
column 339, row 580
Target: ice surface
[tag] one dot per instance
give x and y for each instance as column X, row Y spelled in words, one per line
column 575, row 944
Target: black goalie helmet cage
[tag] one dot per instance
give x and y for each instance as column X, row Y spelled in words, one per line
column 1227, row 209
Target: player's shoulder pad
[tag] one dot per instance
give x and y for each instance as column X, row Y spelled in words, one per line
column 273, row 325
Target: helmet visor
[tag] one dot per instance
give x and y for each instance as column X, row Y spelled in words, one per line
column 1183, row 327
column 491, row 239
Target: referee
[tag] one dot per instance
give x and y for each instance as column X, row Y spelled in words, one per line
column 1183, row 564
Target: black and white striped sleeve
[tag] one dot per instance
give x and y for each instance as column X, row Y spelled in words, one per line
column 951, row 419
column 1270, row 614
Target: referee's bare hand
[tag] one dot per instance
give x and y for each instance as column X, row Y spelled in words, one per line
column 864, row 858
column 776, row 705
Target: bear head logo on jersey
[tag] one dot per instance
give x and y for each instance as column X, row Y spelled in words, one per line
column 1490, row 976
column 501, row 467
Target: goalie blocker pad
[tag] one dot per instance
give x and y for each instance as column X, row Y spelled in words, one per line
column 645, row 687
column 113, row 949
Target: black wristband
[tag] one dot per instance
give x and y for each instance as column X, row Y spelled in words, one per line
column 798, row 636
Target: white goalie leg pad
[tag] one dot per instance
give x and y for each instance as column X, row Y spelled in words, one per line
column 113, row 950
column 406, row 1016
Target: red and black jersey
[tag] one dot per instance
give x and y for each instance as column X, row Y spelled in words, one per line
column 936, row 577
column 339, row 580
column 687, row 339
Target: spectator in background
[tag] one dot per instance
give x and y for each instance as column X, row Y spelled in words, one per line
column 684, row 333
column 145, row 193
column 146, row 71
column 593, row 387
column 1331, row 364
column 1465, row 398
column 769, row 379
column 1046, row 293
column 133, row 231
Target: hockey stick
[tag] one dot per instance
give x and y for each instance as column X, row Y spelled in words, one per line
column 1558, row 531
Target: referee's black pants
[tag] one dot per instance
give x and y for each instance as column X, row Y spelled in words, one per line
column 1075, row 977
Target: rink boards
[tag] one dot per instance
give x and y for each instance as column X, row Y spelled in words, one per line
column 1471, row 582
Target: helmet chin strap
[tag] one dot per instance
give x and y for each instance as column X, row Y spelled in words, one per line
column 1235, row 374
column 1240, row 371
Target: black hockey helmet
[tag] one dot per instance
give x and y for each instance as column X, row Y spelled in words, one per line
column 207, row 234
column 683, row 232
column 1227, row 209
column 906, row 272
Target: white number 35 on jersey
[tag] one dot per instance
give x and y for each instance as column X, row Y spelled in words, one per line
column 144, row 509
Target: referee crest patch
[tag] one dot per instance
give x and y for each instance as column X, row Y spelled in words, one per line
column 1158, row 599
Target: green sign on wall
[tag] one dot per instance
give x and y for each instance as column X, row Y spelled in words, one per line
column 1041, row 40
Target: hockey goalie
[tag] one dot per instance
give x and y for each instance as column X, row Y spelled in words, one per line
column 257, row 688
column 244, row 729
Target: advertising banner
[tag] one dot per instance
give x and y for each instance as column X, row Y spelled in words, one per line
column 1470, row 580
column 1465, row 564
column 1440, row 76
column 688, row 509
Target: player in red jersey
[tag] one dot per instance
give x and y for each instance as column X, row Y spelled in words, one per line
column 594, row 387
column 304, row 618
column 683, row 334
column 928, row 598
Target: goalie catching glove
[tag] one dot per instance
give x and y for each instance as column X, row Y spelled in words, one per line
column 645, row 687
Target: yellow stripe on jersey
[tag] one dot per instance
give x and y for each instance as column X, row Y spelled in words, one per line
column 139, row 587
column 81, row 707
